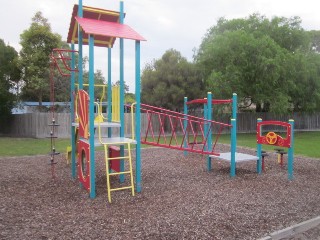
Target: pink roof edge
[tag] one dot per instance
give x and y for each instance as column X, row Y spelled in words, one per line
column 110, row 29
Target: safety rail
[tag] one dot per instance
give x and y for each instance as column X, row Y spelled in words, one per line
column 169, row 129
column 100, row 117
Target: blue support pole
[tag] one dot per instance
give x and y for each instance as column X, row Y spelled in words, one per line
column 109, row 92
column 233, row 135
column 122, row 177
column 291, row 151
column 91, row 117
column 234, row 105
column 185, row 124
column 80, row 44
column 259, row 154
column 209, row 117
column 233, row 147
column 205, row 125
column 138, row 120
column 73, row 128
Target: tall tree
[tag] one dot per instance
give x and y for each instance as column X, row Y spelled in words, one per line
column 126, row 86
column 264, row 61
column 166, row 81
column 9, row 77
column 37, row 43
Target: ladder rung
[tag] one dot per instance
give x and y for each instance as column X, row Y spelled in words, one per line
column 118, row 173
column 114, row 158
column 122, row 188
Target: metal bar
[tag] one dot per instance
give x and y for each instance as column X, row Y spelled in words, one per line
column 209, row 116
column 180, row 115
column 118, row 173
column 122, row 188
column 91, row 117
column 73, row 128
column 291, row 151
column 122, row 177
column 179, row 148
column 109, row 92
column 115, row 158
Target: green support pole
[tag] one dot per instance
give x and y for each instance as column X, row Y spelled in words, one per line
column 291, row 152
column 138, row 120
column 259, row 152
column 91, row 117
column 73, row 128
column 209, row 117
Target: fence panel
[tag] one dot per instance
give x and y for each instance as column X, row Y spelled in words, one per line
column 36, row 125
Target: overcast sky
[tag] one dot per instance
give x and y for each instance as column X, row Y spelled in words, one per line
column 178, row 24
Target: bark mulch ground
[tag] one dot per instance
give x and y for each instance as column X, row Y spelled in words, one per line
column 180, row 199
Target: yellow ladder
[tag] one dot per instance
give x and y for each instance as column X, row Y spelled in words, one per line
column 108, row 173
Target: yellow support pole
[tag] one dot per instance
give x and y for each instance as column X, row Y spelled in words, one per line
column 107, row 171
column 116, row 104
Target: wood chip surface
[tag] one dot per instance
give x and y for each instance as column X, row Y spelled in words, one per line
column 180, row 199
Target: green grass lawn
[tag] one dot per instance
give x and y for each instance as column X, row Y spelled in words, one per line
column 306, row 143
column 30, row 146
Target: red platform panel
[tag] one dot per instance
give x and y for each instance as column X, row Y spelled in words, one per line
column 113, row 153
column 83, row 113
column 272, row 138
column 84, row 164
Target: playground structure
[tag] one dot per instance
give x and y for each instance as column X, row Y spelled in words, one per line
column 196, row 134
column 274, row 139
column 233, row 157
column 99, row 27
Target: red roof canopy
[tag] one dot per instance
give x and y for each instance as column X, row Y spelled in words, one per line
column 103, row 24
column 109, row 29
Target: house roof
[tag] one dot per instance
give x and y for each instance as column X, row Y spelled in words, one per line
column 103, row 24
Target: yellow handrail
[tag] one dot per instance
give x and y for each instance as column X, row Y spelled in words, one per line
column 100, row 116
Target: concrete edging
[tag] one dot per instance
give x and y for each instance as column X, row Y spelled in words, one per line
column 293, row 230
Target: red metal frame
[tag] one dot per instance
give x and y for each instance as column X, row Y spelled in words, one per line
column 175, row 121
column 83, row 113
column 60, row 55
column 214, row 101
column 281, row 141
column 84, row 177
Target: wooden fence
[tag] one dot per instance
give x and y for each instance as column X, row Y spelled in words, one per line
column 36, row 125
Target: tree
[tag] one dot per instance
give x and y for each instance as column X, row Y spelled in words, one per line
column 126, row 86
column 305, row 91
column 259, row 59
column 129, row 97
column 9, row 77
column 166, row 81
column 37, row 43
